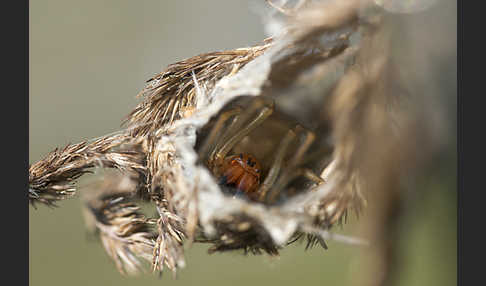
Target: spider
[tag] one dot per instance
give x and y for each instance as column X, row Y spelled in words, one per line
column 241, row 173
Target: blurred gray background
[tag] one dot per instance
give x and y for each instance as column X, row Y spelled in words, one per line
column 88, row 60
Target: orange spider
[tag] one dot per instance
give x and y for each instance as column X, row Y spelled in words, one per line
column 242, row 171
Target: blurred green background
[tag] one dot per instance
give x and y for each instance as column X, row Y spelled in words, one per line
column 88, row 60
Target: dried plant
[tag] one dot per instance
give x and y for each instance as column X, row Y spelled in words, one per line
column 328, row 76
column 52, row 178
column 171, row 94
column 126, row 234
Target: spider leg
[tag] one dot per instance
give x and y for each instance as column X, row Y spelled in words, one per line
column 214, row 159
column 290, row 173
column 221, row 140
column 210, row 139
column 309, row 174
column 230, row 142
column 255, row 107
column 276, row 165
column 285, row 179
column 309, row 138
column 322, row 152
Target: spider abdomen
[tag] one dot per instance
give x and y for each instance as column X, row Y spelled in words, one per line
column 241, row 172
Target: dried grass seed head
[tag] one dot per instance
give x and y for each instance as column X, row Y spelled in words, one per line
column 323, row 82
column 216, row 212
column 53, row 178
column 126, row 234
